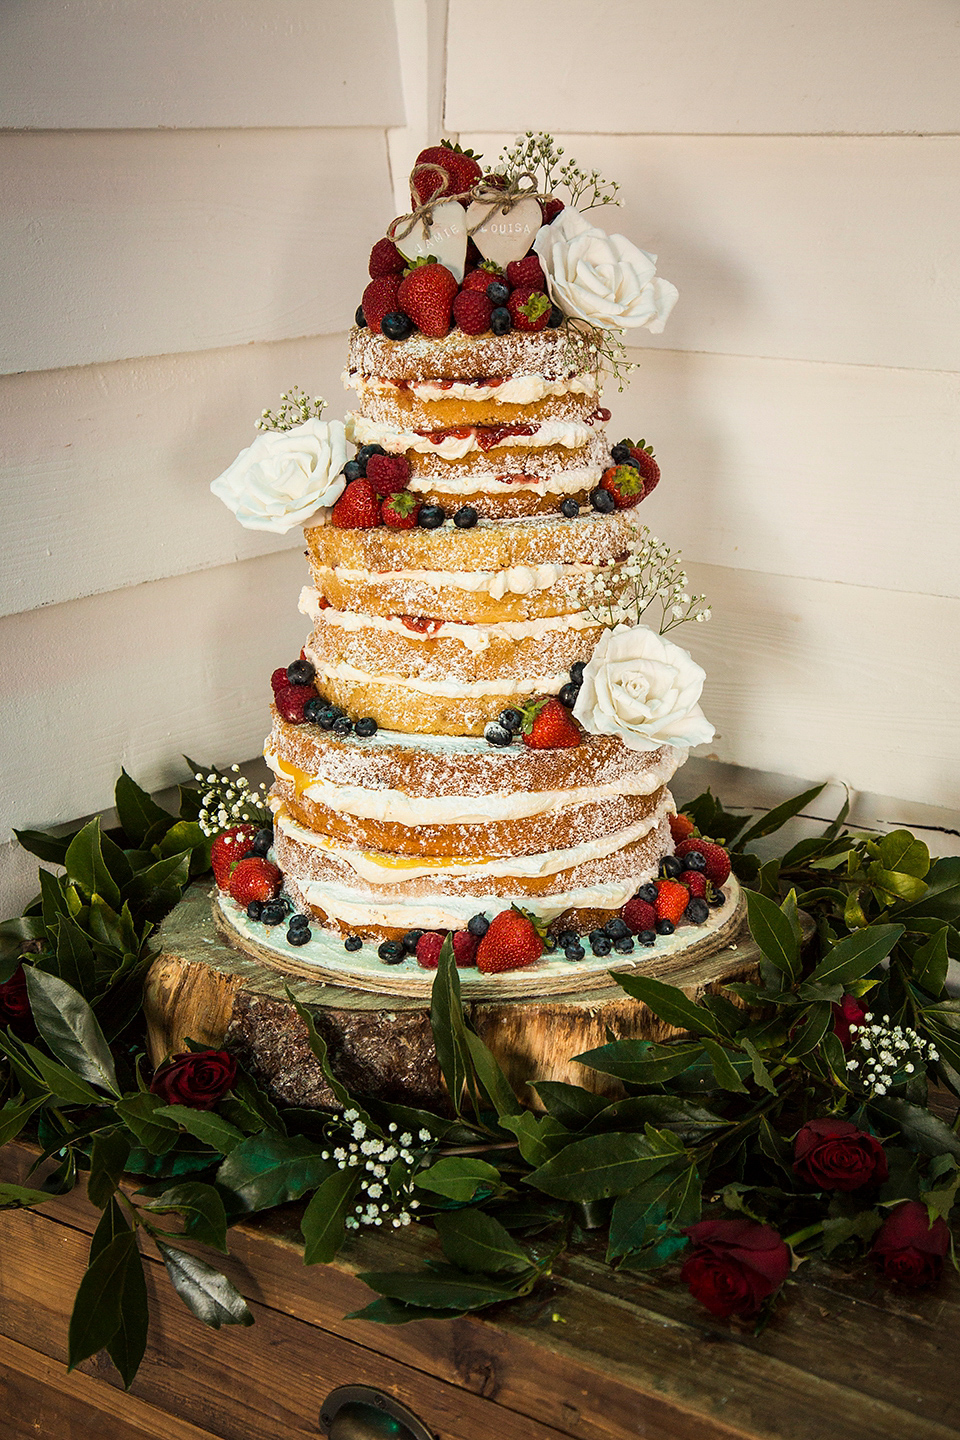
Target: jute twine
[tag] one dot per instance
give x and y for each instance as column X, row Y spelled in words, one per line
column 491, row 196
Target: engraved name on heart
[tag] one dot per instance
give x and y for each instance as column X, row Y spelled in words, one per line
column 446, row 239
column 504, row 237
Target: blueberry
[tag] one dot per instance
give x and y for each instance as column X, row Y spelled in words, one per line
column 409, row 941
column 556, row 318
column 360, row 319
column 574, row 952
column 353, row 942
column 600, row 944
column 250, row 855
column 567, row 937
column 298, row 921
column 620, row 454
column 272, row 913
column 430, row 517
column 501, row 321
column 570, row 508
column 353, row 470
column 300, row 672
column 695, row 861
column 365, row 727
column 670, row 867
column 478, row 925
column 498, row 293
column 498, row 735
column 665, row 927
column 396, row 325
column 300, row 936
column 697, row 911
column 343, row 725
column 568, row 695
column 617, row 929
column 391, row 952
column 510, row 719
column 624, row 946
column 716, row 899
column 325, row 717
column 602, row 500
column 255, row 910
column 365, row 451
column 576, row 671
column 648, row 893
column 465, row 518
column 315, row 707
column 647, row 937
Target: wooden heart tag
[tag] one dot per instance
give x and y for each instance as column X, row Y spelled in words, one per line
column 504, row 237
column 446, row 238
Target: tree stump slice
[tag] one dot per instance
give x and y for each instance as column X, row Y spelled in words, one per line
column 380, row 1045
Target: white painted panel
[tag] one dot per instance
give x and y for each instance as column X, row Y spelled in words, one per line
column 837, row 682
column 708, row 66
column 829, row 472
column 801, row 248
column 140, row 64
column 106, row 469
column 138, row 677
column 125, row 244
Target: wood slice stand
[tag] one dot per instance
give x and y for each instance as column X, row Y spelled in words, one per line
column 202, row 988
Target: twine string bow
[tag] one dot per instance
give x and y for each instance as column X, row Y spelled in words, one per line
column 494, row 197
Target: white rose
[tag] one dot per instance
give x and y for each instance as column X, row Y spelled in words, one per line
column 642, row 687
column 285, row 476
column 602, row 278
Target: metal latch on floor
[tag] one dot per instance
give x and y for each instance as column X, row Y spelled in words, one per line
column 357, row 1412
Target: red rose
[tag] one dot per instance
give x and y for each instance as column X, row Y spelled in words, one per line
column 14, row 1004
column 198, row 1079
column 834, row 1155
column 912, row 1250
column 735, row 1265
column 850, row 1011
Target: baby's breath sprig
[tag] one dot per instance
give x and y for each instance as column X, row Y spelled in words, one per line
column 586, row 346
column 227, row 800
column 295, row 408
column 538, row 155
column 385, row 1166
column 884, row 1051
column 651, row 574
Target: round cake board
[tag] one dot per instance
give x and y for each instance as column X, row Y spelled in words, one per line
column 202, row 988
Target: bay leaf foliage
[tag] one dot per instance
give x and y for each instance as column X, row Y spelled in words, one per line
column 507, row 1182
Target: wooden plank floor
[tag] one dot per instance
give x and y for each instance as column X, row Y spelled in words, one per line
column 595, row 1355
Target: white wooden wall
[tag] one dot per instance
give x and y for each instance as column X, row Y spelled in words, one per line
column 187, row 198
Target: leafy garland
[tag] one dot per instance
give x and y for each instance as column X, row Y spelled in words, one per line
column 799, row 1102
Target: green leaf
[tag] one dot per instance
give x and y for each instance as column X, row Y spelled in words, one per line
column 96, row 1310
column 437, row 1292
column 570, row 1104
column 70, row 1028
column 893, row 883
column 491, row 1078
column 127, row 1346
column 598, row 1167
column 62, row 1083
column 319, row 1048
column 685, row 1118
column 449, row 1026
column 51, row 848
column 920, row 1126
column 15, row 1196
column 839, row 1228
column 812, row 1025
column 267, row 1170
column 14, row 935
column 157, row 889
column 724, row 1070
column 207, row 1294
column 108, row 1156
column 761, row 1074
column 930, row 963
column 138, row 813
column 394, row 1312
column 773, row 930
column 671, row 1004
column 458, row 1177
column 942, row 898
column 636, row 1211
column 214, row 1131
column 540, row 1136
column 324, row 1220
column 76, row 961
column 899, row 851
column 640, row 1062
column 87, row 867
column 139, row 1113
column 475, row 1241
column 202, row 1208
column 14, row 1117
column 857, row 955
column 778, row 817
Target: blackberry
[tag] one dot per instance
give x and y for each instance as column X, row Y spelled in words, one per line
column 352, row 471
column 670, row 867
column 556, row 318
column 568, row 695
column 409, row 941
column 501, row 320
column 391, row 952
column 465, row 518
column 353, row 942
column 360, row 319
column 254, row 909
column 600, row 944
column 478, row 925
column 602, row 500
column 365, row 727
column 272, row 913
column 567, row 937
column 647, row 937
column 430, row 517
column 396, row 325
column 498, row 293
column 574, row 952
column 570, row 508
column 365, row 451
column 697, row 911
column 624, row 946
column 299, row 936
column 665, row 927
column 617, row 929
column 647, row 892
column 495, row 734
column 576, row 671
column 695, row 861
column 343, row 725
column 300, row 672
column 510, row 719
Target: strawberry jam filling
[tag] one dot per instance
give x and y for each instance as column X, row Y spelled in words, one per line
column 486, row 436
column 420, row 624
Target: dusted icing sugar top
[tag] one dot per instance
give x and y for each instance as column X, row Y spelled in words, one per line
column 467, row 357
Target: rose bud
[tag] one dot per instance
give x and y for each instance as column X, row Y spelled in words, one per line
column 850, row 1011
column 832, row 1154
column 14, row 1004
column 197, row 1079
column 735, row 1265
column 912, row 1250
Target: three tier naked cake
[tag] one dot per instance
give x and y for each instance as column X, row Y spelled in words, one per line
column 478, row 735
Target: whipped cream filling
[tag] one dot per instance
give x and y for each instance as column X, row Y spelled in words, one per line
column 517, row 580
column 516, row 390
column 379, row 868
column 475, row 638
column 562, row 482
column 398, row 808
column 452, row 689
column 571, row 434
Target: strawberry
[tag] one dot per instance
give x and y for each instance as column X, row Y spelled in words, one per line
column 254, row 879
column 526, row 274
column 672, row 899
column 529, row 309
column 639, row 915
column 548, row 725
column 472, row 312
column 227, row 849
column 426, row 295
column 387, row 473
column 358, row 507
column 696, row 882
column 642, row 453
column 718, row 861
column 278, row 680
column 292, row 700
column 625, row 484
column 400, row 510
column 385, row 259
column 550, row 209
column 681, row 826
column 428, row 949
column 460, row 167
column 464, row 948
column 512, row 941
column 483, row 276
column 379, row 299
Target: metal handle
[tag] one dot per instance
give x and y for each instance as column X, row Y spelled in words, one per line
column 357, row 1412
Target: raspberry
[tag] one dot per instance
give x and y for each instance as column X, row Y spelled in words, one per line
column 472, row 311
column 465, row 948
column 292, row 701
column 696, row 883
column 278, row 680
column 387, row 473
column 718, row 861
column 639, row 915
column 428, row 949
column 526, row 274
column 672, row 899
column 385, row 259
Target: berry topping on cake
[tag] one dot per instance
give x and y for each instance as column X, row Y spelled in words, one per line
column 358, row 507
column 513, row 940
column 229, row 847
column 551, row 209
column 428, row 950
column 465, row 948
column 672, row 899
column 426, row 294
column 396, row 325
column 602, row 501
column 547, row 725
column 501, row 321
column 387, row 473
column 300, row 672
column 717, row 867
column 472, row 311
column 485, row 275
column 526, row 274
column 639, row 915
column 498, row 293
column 696, row 882
column 624, row 484
column 460, row 172
column 640, row 455
column 681, row 827
column 529, row 309
column 278, row 680
column 292, row 702
column 431, row 517
column 254, row 879
column 400, row 510
column 385, row 259
column 380, row 299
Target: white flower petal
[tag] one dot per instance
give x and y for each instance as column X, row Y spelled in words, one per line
column 645, row 689
column 602, row 278
column 285, row 476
